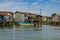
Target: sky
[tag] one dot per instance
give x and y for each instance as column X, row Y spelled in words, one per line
column 47, row 7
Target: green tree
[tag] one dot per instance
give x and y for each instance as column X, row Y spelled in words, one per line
column 53, row 14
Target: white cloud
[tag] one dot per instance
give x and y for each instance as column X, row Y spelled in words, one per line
column 40, row 0
column 36, row 3
column 53, row 1
column 13, row 6
column 21, row 6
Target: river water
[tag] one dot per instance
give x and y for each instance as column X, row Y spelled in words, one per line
column 45, row 32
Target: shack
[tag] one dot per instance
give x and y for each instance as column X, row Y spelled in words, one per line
column 5, row 17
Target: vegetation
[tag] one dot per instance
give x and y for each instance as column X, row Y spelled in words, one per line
column 53, row 14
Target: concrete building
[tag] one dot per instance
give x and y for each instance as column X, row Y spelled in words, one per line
column 19, row 16
column 56, row 19
column 22, row 16
column 46, row 19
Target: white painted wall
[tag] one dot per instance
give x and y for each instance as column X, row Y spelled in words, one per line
column 19, row 17
column 55, row 19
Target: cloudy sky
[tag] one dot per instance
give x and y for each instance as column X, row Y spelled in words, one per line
column 47, row 6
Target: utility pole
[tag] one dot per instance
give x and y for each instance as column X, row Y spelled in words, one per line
column 40, row 12
column 40, row 19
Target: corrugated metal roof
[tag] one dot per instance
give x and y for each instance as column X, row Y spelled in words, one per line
column 5, row 13
column 25, row 13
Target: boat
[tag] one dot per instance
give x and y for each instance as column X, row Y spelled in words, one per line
column 25, row 24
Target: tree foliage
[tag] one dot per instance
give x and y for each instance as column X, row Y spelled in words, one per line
column 53, row 14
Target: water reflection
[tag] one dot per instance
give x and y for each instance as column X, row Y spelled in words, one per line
column 45, row 32
column 14, row 32
column 37, row 28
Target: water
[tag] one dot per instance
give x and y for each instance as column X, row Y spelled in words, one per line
column 45, row 32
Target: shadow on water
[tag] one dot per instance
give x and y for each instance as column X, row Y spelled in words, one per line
column 32, row 29
column 29, row 28
column 26, row 28
column 6, row 26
